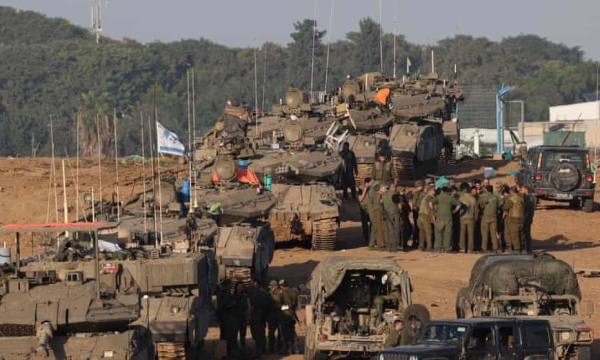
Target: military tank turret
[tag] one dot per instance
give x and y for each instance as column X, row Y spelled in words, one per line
column 415, row 148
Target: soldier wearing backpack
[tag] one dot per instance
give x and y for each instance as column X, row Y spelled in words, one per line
column 515, row 219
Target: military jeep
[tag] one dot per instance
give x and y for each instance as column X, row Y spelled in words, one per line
column 560, row 173
column 533, row 286
column 354, row 302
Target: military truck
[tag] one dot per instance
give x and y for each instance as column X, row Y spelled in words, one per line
column 536, row 286
column 307, row 213
column 353, row 304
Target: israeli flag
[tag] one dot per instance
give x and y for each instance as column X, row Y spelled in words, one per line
column 168, row 142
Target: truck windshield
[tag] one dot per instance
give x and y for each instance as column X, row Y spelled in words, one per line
column 442, row 333
column 552, row 158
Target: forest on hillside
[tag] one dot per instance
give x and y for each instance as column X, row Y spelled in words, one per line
column 51, row 68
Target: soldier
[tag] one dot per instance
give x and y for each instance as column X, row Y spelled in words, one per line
column 261, row 305
column 240, row 314
column 391, row 202
column 383, row 171
column 515, row 219
column 349, row 170
column 289, row 302
column 275, row 343
column 444, row 205
column 409, row 333
column 468, row 217
column 407, row 229
column 529, row 210
column 376, row 216
column 395, row 337
column 417, row 196
column 365, row 199
column 224, row 305
column 426, row 220
column 488, row 204
column 477, row 185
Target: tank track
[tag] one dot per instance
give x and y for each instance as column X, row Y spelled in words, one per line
column 404, row 167
column 239, row 274
column 170, row 351
column 364, row 171
column 324, row 234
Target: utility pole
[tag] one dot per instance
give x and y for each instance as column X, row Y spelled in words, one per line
column 97, row 19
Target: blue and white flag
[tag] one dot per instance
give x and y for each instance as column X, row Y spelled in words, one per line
column 168, row 142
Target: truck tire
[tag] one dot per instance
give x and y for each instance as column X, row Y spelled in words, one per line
column 588, row 205
column 417, row 310
column 584, row 353
column 463, row 305
column 565, row 177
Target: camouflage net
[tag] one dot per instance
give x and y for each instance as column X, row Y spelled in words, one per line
column 505, row 274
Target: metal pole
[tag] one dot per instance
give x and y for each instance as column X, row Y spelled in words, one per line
column 144, row 173
column 53, row 174
column 117, row 164
column 312, row 60
column 97, row 264
column 77, row 171
column 99, row 161
column 380, row 40
column 18, row 252
column 93, row 207
column 65, row 205
column 328, row 47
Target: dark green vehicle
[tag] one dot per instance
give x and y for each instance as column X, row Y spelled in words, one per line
column 560, row 173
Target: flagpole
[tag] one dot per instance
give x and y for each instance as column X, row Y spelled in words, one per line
column 99, row 162
column 117, row 165
column 144, row 173
column 189, row 137
column 193, row 149
column 153, row 182
column 160, row 205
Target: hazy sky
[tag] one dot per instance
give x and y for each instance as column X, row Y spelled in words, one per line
column 238, row 22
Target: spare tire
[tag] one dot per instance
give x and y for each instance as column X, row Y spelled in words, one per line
column 565, row 177
column 419, row 311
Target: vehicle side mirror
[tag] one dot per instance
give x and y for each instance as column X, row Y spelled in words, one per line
column 587, row 308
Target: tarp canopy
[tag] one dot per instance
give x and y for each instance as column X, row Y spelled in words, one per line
column 330, row 273
column 505, row 274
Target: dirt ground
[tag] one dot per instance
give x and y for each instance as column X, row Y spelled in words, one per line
column 570, row 235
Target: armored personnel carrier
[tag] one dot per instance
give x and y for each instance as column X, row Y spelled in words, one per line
column 353, row 305
column 306, row 213
column 533, row 285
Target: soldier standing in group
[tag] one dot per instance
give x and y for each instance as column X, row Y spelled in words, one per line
column 349, row 170
column 444, row 205
column 392, row 218
column 224, row 306
column 489, row 204
column 261, row 305
column 365, row 200
column 376, row 216
column 405, row 226
column 383, row 171
column 468, row 217
column 529, row 210
column 275, row 343
column 417, row 196
column 515, row 219
column 289, row 303
column 240, row 314
column 426, row 220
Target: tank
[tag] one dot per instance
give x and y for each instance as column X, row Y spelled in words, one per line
column 308, row 213
column 244, row 252
column 366, row 147
column 415, row 148
column 51, row 318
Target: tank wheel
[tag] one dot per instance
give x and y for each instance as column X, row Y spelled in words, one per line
column 170, row 351
column 462, row 304
column 239, row 274
column 364, row 171
column 404, row 167
column 324, row 234
column 419, row 311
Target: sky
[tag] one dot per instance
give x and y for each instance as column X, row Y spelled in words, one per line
column 244, row 23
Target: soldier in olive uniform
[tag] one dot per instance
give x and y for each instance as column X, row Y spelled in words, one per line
column 224, row 307
column 426, row 220
column 529, row 210
column 468, row 217
column 383, row 171
column 349, row 170
column 376, row 216
column 444, row 205
column 392, row 218
column 405, row 226
column 261, row 305
column 489, row 204
column 289, row 303
column 240, row 314
column 365, row 199
column 417, row 196
column 515, row 219
column 275, row 343
column 395, row 337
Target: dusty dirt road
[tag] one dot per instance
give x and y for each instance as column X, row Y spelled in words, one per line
column 571, row 235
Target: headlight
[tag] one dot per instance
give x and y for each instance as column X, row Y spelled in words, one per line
column 565, row 335
column 584, row 334
column 107, row 354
